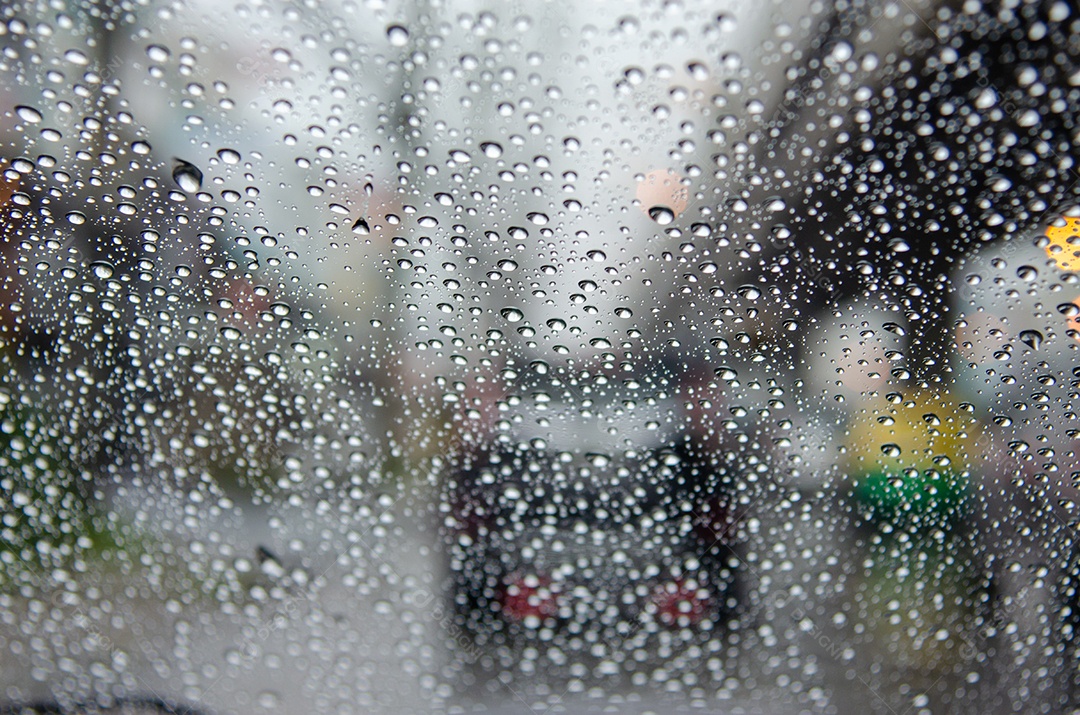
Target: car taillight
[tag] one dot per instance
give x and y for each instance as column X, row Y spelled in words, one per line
column 681, row 602
column 529, row 596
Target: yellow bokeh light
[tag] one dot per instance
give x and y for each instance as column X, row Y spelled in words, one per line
column 1064, row 246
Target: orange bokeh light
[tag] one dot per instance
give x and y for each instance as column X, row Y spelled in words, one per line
column 1074, row 322
column 1064, row 246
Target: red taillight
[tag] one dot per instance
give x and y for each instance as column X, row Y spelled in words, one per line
column 529, row 596
column 681, row 602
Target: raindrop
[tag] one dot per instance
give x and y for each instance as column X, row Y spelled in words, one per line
column 841, row 52
column 157, row 53
column 598, row 459
column 76, row 57
column 187, row 176
column 1028, row 119
column 1069, row 310
column 662, row 215
column 102, row 269
column 540, row 219
column 698, row 71
column 507, row 265
column 76, row 218
column 1019, row 446
column 750, row 292
column 894, row 328
column 891, row 450
column 268, row 700
column 512, row 315
column 229, row 156
column 28, row 114
column 397, row 35
column 491, row 150
column 360, row 226
column 1027, row 273
column 726, row 23
column 1032, row 338
column 725, row 372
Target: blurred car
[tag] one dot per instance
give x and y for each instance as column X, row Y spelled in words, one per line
column 602, row 521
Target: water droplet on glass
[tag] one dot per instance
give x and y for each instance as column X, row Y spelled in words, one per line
column 102, row 269
column 512, row 315
column 662, row 215
column 1027, row 273
column 397, row 35
column 229, row 156
column 491, row 150
column 28, row 114
column 891, row 450
column 76, row 218
column 361, row 227
column 187, row 176
column 157, row 53
column 76, row 57
column 841, row 52
column 1032, row 338
column 1069, row 310
column 1019, row 446
column 698, row 71
column 750, row 292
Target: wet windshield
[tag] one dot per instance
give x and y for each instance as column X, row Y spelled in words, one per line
column 528, row 357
